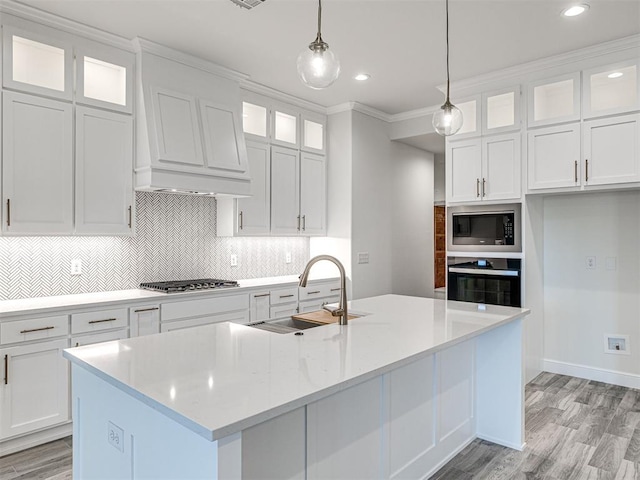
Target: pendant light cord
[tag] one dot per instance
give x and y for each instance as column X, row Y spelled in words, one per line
column 447, row 32
column 319, row 36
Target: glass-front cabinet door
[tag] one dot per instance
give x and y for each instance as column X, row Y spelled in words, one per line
column 36, row 63
column 555, row 100
column 611, row 89
column 471, row 119
column 255, row 121
column 104, row 78
column 501, row 110
column 313, row 133
column 285, row 127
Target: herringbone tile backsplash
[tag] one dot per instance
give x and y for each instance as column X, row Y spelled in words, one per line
column 175, row 239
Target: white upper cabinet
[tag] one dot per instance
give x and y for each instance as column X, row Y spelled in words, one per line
column 554, row 157
column 104, row 172
column 612, row 89
column 313, row 195
column 177, row 129
column 313, row 133
column 471, row 117
column 612, row 150
column 555, row 100
column 253, row 213
column 285, row 127
column 37, row 63
column 37, row 165
column 285, row 191
column 501, row 111
column 222, row 130
column 255, row 121
column 104, row 78
column 464, row 170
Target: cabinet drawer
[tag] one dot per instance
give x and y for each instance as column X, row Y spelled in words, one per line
column 281, row 311
column 203, row 306
column 34, row 329
column 284, row 295
column 91, row 339
column 319, row 290
column 99, row 320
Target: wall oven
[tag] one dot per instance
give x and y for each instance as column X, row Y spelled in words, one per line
column 481, row 228
column 496, row 281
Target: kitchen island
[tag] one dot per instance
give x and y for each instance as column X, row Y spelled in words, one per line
column 394, row 394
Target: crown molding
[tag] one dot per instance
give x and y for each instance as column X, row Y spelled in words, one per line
column 361, row 108
column 260, row 89
column 524, row 69
column 143, row 45
column 32, row 14
column 412, row 114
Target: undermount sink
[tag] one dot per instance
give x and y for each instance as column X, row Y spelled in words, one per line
column 286, row 325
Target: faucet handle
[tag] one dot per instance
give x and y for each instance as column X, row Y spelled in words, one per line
column 335, row 312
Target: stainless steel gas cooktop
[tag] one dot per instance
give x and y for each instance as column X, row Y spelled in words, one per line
column 188, row 285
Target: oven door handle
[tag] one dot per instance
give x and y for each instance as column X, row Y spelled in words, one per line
column 477, row 271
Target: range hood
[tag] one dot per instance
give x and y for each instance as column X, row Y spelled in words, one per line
column 189, row 136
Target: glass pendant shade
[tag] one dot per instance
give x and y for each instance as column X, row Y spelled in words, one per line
column 448, row 120
column 318, row 67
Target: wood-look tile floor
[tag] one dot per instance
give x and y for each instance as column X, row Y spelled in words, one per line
column 575, row 430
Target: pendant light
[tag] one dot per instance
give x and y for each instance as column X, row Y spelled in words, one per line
column 448, row 120
column 318, row 67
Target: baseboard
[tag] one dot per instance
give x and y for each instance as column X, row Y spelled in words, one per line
column 18, row 444
column 629, row 380
column 515, row 446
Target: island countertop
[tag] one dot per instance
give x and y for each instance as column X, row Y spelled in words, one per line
column 219, row 379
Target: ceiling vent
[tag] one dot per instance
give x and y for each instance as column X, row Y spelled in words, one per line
column 248, row 4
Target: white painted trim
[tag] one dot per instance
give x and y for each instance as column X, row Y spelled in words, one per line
column 32, row 14
column 630, row 380
column 272, row 93
column 23, row 442
column 412, row 114
column 143, row 45
column 525, row 69
column 515, row 446
column 343, row 107
column 361, row 108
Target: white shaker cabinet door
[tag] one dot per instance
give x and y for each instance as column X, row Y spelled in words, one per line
column 501, row 167
column 144, row 320
column 104, row 172
column 285, row 191
column 254, row 212
column 612, row 150
column 37, row 165
column 554, row 157
column 178, row 131
column 463, row 166
column 35, row 390
column 313, row 194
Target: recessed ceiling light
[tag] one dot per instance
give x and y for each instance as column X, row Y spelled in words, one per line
column 615, row 75
column 575, row 10
column 361, row 77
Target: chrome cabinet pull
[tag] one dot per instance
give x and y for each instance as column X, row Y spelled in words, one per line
column 8, row 212
column 145, row 310
column 241, row 220
column 586, row 170
column 336, row 289
column 298, row 222
column 6, row 369
column 575, row 171
column 286, row 296
column 477, row 187
column 484, row 186
column 263, row 295
column 36, row 329
column 304, row 223
column 130, row 216
column 102, row 321
column 313, row 293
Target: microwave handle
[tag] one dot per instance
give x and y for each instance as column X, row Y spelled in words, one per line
column 477, row 271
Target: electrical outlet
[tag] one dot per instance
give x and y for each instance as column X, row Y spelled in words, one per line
column 115, row 436
column 363, row 257
column 590, row 262
column 234, row 260
column 287, row 257
column 76, row 266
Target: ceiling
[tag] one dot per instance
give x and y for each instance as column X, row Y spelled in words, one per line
column 399, row 42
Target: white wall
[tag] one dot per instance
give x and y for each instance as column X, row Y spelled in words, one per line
column 412, row 221
column 373, row 194
column 580, row 304
column 439, row 193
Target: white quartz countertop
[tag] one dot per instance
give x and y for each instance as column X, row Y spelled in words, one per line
column 43, row 305
column 222, row 378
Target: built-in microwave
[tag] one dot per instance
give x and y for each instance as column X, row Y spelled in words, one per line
column 481, row 228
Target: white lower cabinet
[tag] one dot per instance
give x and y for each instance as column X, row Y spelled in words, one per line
column 144, row 320
column 91, row 339
column 233, row 317
column 35, row 389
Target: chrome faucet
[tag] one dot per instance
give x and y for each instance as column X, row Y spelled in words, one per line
column 342, row 306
